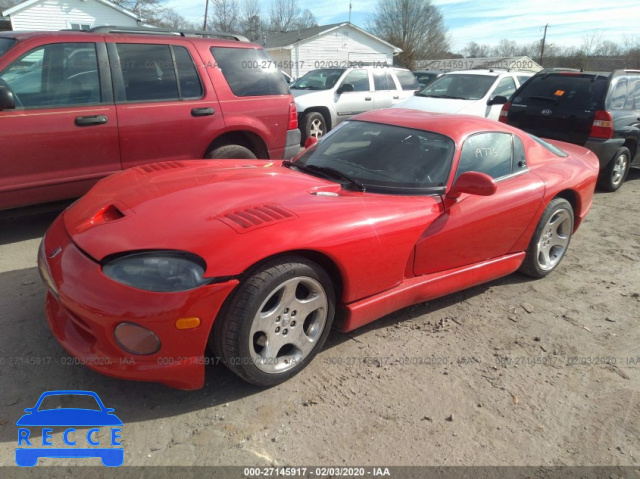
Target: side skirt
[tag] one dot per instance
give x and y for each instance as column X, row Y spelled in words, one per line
column 424, row 288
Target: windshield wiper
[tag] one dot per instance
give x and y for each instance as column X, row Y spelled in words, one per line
column 327, row 170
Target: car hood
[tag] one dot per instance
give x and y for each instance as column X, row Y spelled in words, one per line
column 437, row 105
column 308, row 98
column 246, row 209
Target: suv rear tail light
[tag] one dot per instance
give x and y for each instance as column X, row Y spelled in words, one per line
column 602, row 125
column 293, row 116
column 504, row 112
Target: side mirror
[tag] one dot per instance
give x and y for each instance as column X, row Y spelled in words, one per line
column 473, row 183
column 497, row 100
column 345, row 87
column 310, row 141
column 7, row 101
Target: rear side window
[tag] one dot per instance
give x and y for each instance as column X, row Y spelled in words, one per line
column 619, row 94
column 505, row 87
column 382, row 80
column 5, row 44
column 573, row 92
column 359, row 79
column 489, row 153
column 407, row 80
column 249, row 72
column 148, row 72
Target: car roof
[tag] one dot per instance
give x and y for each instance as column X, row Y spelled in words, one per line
column 457, row 127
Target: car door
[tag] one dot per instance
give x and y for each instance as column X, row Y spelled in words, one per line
column 166, row 109
column 349, row 103
column 62, row 134
column 505, row 87
column 478, row 228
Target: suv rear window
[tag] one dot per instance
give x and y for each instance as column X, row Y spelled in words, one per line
column 5, row 44
column 407, row 80
column 575, row 92
column 249, row 72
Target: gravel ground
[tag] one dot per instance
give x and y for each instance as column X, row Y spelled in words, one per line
column 513, row 372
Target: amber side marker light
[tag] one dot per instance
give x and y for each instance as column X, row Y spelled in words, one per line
column 187, row 323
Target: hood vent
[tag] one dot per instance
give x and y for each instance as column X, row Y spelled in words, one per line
column 165, row 165
column 250, row 218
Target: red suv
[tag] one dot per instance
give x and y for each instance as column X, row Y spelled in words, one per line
column 77, row 106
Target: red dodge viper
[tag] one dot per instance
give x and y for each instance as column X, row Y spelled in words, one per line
column 258, row 260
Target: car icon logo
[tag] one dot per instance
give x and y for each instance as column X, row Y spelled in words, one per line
column 546, row 112
column 78, row 444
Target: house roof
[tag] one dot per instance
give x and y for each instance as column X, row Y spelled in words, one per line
column 28, row 3
column 288, row 39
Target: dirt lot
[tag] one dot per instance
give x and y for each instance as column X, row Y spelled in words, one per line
column 514, row 372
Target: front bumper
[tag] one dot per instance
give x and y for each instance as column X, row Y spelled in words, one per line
column 83, row 308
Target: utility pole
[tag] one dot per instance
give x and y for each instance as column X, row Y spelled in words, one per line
column 544, row 38
column 206, row 14
column 349, row 12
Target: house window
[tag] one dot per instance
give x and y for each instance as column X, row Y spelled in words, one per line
column 80, row 26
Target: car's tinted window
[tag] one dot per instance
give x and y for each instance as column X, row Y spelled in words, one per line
column 148, row 72
column 407, row 80
column 635, row 93
column 505, row 87
column 618, row 97
column 321, row 79
column 382, row 80
column 359, row 79
column 190, row 86
column 55, row 75
column 523, row 78
column 249, row 71
column 462, row 86
column 386, row 158
column 577, row 92
column 5, row 44
column 489, row 153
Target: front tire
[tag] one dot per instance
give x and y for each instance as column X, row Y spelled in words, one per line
column 276, row 321
column 550, row 240
column 614, row 174
column 236, row 152
column 313, row 124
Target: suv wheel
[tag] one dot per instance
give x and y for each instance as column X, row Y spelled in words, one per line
column 313, row 124
column 614, row 174
column 234, row 152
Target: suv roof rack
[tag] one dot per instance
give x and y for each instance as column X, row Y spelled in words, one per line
column 168, row 31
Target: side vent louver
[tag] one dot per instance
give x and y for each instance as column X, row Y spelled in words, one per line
column 250, row 218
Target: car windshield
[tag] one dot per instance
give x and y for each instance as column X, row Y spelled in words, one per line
column 62, row 401
column 459, row 87
column 5, row 44
column 383, row 158
column 322, row 79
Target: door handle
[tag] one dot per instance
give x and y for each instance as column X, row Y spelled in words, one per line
column 203, row 111
column 396, row 97
column 367, row 98
column 91, row 120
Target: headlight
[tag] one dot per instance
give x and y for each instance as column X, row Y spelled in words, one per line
column 160, row 271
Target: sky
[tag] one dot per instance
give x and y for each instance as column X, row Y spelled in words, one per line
column 489, row 21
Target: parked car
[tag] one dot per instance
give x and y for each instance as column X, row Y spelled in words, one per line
column 425, row 77
column 328, row 96
column 600, row 111
column 77, row 106
column 392, row 208
column 470, row 92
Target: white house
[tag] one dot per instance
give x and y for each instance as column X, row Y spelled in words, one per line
column 300, row 51
column 68, row 14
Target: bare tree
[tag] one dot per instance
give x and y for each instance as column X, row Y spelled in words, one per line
column 7, row 4
column 150, row 11
column 252, row 25
column 591, row 42
column 505, row 48
column 306, row 20
column 172, row 19
column 415, row 26
column 473, row 50
column 284, row 14
column 225, row 15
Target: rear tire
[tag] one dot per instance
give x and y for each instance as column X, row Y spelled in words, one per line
column 550, row 240
column 614, row 174
column 237, row 152
column 276, row 321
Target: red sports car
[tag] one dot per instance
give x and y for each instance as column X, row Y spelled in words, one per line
column 259, row 260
